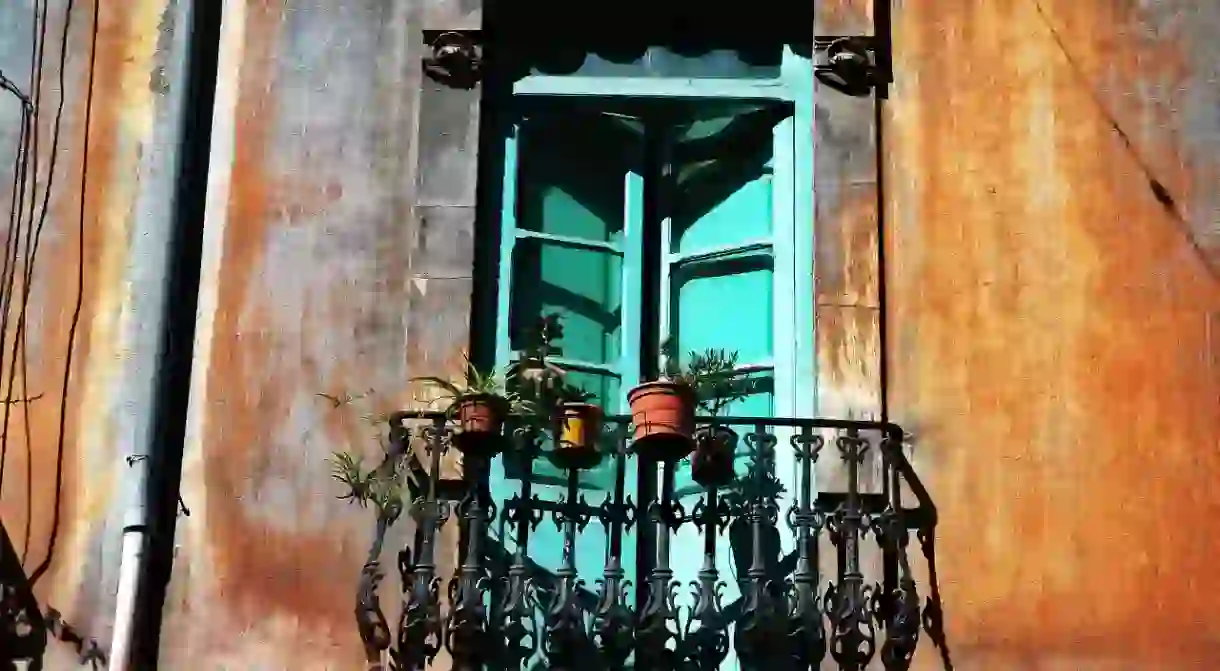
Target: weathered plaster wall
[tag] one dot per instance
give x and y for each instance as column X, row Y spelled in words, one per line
column 1051, row 208
column 332, row 266
column 114, row 243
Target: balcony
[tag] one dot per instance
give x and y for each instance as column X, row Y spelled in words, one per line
column 800, row 609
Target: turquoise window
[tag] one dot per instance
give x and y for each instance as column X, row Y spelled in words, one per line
column 643, row 206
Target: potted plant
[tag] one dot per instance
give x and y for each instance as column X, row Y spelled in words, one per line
column 663, row 410
column 479, row 404
column 717, row 385
column 580, row 430
column 541, row 386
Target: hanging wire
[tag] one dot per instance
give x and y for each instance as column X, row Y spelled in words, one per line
column 76, row 311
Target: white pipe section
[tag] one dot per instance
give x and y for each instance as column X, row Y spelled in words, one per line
column 129, row 585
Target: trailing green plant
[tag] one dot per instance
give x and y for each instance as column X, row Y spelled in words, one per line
column 384, row 486
column 539, row 384
column 711, row 374
column 474, row 382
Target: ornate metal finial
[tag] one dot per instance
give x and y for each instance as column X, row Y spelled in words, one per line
column 454, row 59
column 849, row 65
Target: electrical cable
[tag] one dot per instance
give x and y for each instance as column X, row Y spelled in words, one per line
column 27, row 179
column 16, row 215
column 33, row 242
column 76, row 311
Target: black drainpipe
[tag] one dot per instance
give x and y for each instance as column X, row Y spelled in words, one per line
column 882, row 26
column 173, row 374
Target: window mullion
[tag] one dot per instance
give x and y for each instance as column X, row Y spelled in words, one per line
column 632, row 291
column 665, row 207
column 508, row 240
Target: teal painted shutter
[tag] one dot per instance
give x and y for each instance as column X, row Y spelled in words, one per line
column 726, row 246
column 571, row 245
column 727, row 278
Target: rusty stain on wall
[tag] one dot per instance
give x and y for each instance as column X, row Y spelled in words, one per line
column 83, row 573
column 1046, row 327
column 311, row 237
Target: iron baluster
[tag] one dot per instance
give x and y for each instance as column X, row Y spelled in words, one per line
column 658, row 620
column 466, row 630
column 763, row 630
column 520, row 639
column 612, row 619
column 568, row 640
column 420, row 630
column 805, row 631
column 371, row 622
column 903, row 614
column 849, row 602
column 708, row 644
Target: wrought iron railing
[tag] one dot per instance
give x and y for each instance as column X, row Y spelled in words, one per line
column 502, row 610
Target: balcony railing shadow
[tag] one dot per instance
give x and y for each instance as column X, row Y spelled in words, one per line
column 23, row 633
column 502, row 609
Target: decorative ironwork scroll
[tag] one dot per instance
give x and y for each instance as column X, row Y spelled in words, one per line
column 502, row 610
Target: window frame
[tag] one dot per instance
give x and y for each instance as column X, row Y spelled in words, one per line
column 793, row 331
column 794, row 85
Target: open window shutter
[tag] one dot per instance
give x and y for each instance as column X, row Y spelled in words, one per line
column 571, row 245
column 726, row 246
column 727, row 271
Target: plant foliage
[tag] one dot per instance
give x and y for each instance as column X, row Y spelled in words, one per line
column 712, row 374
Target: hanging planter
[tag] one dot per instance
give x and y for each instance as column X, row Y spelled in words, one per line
column 663, row 413
column 579, row 435
column 711, row 465
column 478, row 405
column 480, row 420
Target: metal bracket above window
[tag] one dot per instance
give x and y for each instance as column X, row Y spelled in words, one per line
column 848, row 64
column 454, row 57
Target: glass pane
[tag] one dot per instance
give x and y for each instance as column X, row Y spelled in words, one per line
column 582, row 286
column 571, row 174
column 722, row 176
column 726, row 304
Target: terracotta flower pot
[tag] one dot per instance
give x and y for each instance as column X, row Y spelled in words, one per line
column 480, row 419
column 578, row 438
column 712, row 463
column 664, row 417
